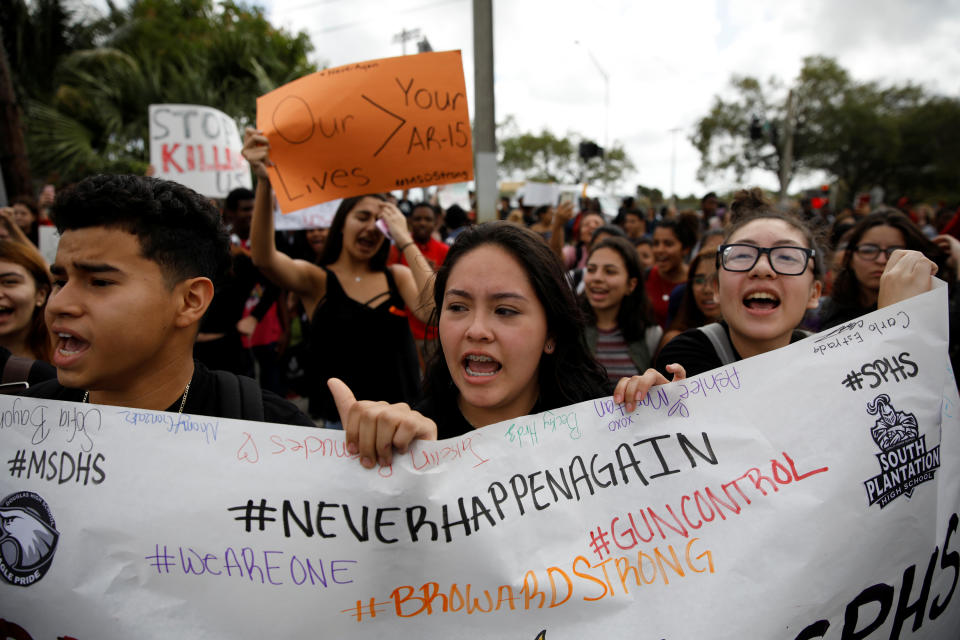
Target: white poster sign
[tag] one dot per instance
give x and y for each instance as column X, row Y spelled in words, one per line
column 199, row 147
column 457, row 193
column 48, row 240
column 536, row 194
column 318, row 216
column 811, row 492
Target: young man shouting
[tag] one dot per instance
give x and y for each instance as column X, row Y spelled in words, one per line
column 133, row 276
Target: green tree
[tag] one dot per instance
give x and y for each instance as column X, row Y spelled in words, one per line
column 91, row 113
column 860, row 133
column 545, row 157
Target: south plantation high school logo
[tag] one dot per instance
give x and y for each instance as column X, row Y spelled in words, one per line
column 905, row 461
column 28, row 538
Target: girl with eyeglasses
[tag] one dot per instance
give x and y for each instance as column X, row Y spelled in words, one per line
column 699, row 305
column 869, row 247
column 769, row 272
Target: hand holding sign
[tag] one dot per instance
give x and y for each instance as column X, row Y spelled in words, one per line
column 256, row 151
column 374, row 429
column 633, row 389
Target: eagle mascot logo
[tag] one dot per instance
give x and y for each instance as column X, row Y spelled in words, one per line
column 28, row 538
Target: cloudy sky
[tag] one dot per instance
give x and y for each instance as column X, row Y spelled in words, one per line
column 665, row 61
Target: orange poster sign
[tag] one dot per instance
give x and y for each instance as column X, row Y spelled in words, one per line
column 368, row 127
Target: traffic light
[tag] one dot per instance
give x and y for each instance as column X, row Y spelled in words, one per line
column 590, row 150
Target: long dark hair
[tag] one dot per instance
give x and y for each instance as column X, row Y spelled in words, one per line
column 331, row 250
column 689, row 315
column 636, row 313
column 846, row 287
column 569, row 374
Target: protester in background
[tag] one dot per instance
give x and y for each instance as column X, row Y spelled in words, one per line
column 316, row 239
column 24, row 287
column 457, row 221
column 134, row 275
column 645, row 253
column 510, row 344
column 601, row 233
column 25, row 215
column 634, row 224
column 709, row 242
column 573, row 256
column 9, row 229
column 422, row 222
column 770, row 270
column 233, row 316
column 870, row 244
column 620, row 329
column 672, row 241
column 544, row 221
column 698, row 305
column 358, row 326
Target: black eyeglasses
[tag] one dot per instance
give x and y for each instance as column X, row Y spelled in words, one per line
column 872, row 251
column 787, row 261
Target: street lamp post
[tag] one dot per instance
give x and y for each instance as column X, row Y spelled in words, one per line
column 606, row 95
column 673, row 165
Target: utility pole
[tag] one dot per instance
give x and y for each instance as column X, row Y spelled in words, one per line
column 786, row 157
column 484, row 126
column 673, row 165
column 606, row 96
column 404, row 36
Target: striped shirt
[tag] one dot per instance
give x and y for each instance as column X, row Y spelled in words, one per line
column 612, row 353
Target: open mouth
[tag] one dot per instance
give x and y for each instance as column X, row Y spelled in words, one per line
column 369, row 242
column 69, row 346
column 481, row 366
column 6, row 312
column 761, row 301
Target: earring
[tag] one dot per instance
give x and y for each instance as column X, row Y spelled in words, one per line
column 549, row 347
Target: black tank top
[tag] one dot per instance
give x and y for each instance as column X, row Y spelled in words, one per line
column 367, row 345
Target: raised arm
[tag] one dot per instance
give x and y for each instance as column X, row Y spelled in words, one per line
column 908, row 273
column 560, row 219
column 299, row 276
column 416, row 281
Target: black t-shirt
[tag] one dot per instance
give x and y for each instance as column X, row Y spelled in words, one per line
column 39, row 370
column 203, row 399
column 446, row 413
column 693, row 350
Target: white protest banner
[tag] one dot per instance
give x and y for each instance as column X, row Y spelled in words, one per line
column 318, row 216
column 537, row 194
column 199, row 147
column 811, row 492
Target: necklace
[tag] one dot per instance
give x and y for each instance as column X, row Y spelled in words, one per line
column 183, row 400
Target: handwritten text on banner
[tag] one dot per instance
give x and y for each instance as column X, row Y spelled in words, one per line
column 808, row 493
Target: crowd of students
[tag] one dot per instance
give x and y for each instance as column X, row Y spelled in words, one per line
column 155, row 296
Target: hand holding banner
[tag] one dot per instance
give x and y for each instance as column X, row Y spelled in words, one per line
column 368, row 127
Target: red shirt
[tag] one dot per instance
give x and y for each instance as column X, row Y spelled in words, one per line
column 435, row 252
column 658, row 291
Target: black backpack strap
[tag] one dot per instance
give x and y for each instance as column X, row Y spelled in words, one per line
column 240, row 397
column 17, row 369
